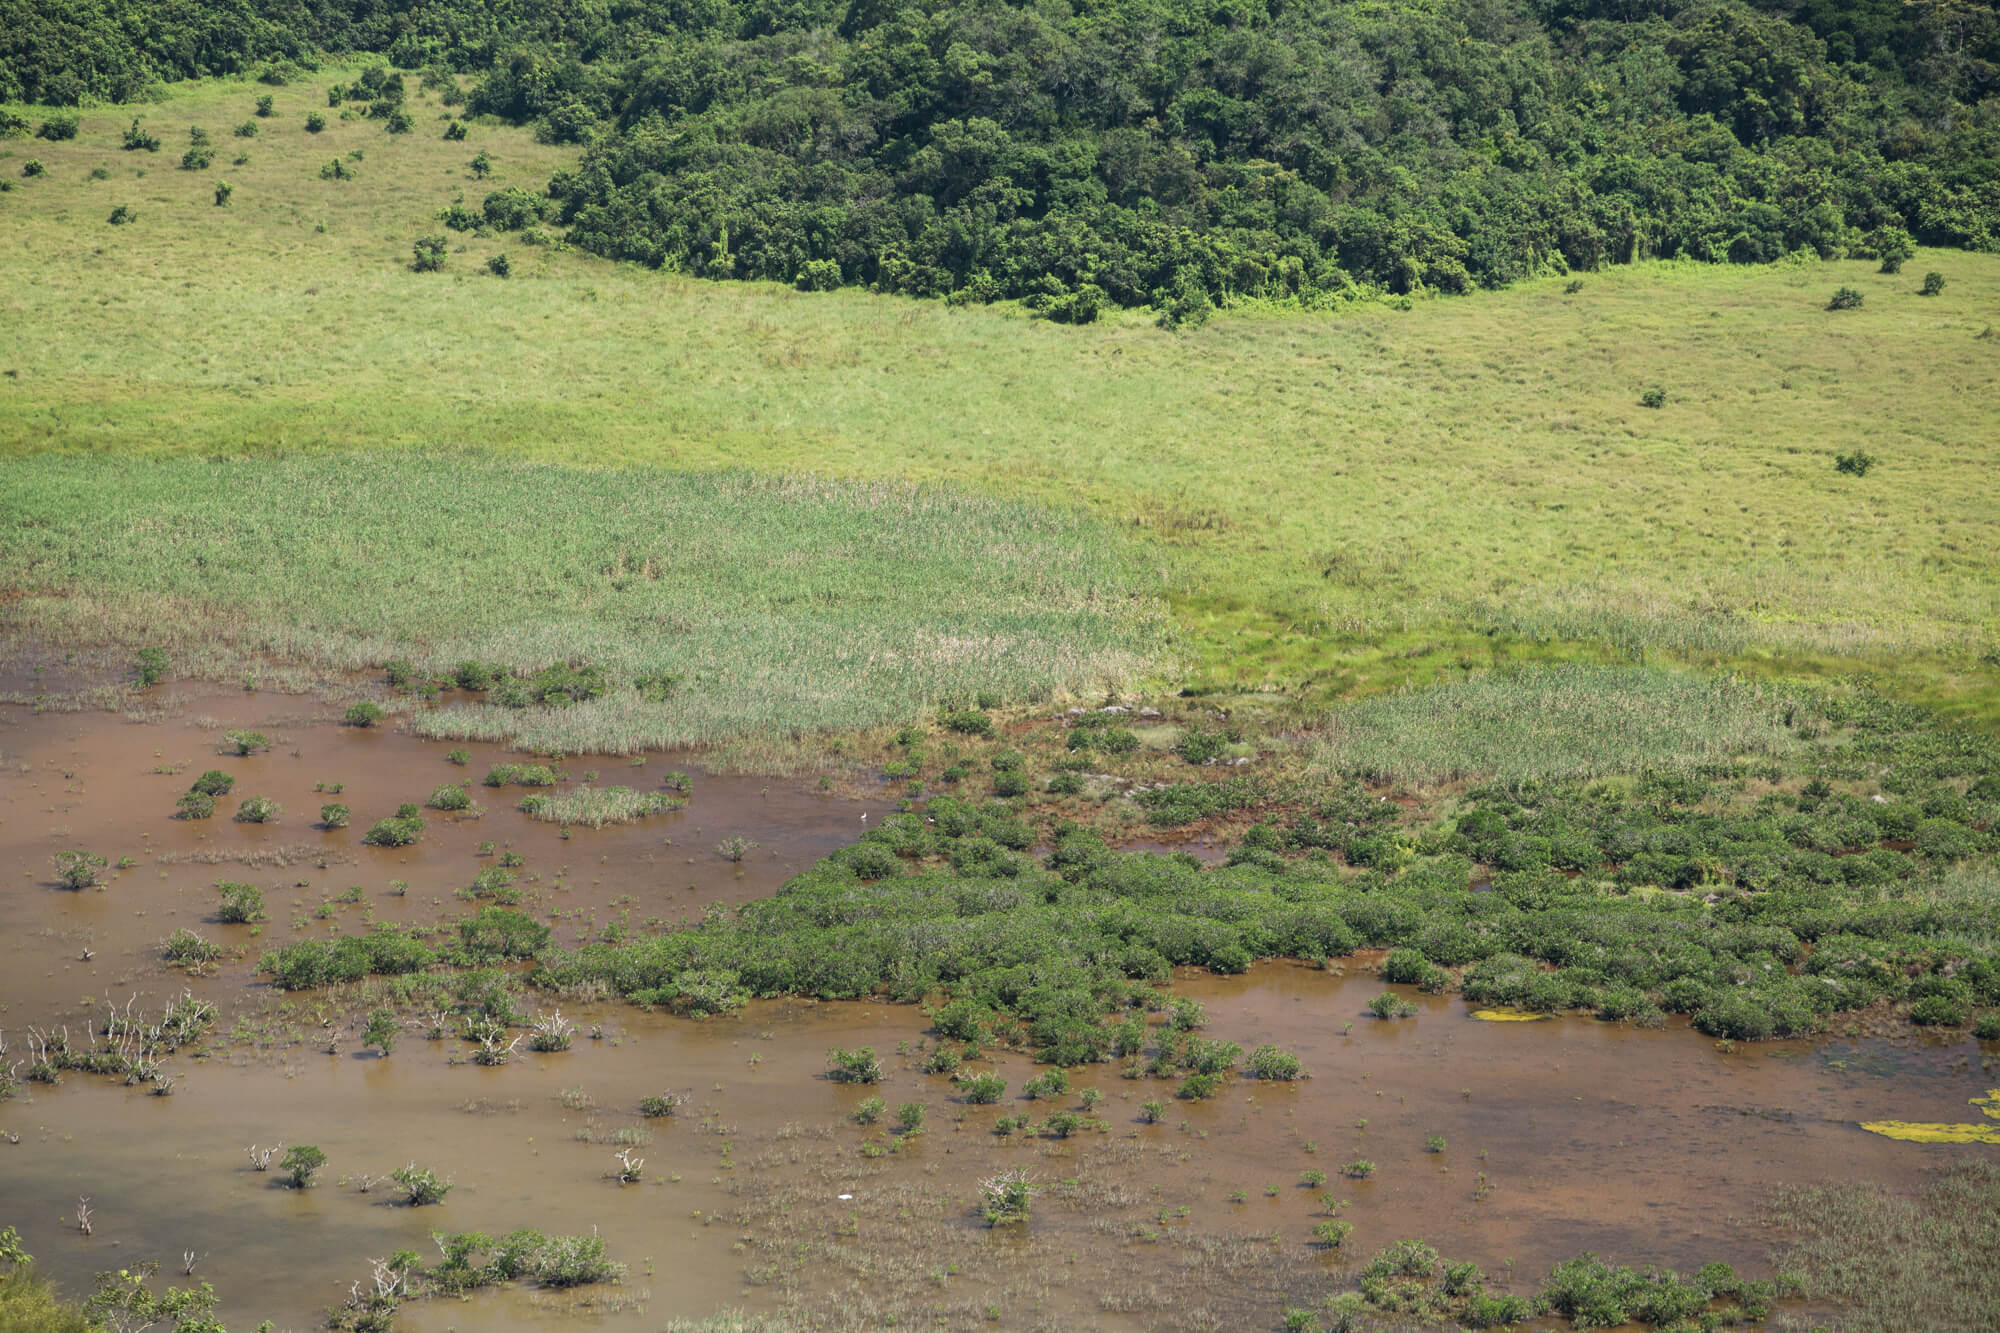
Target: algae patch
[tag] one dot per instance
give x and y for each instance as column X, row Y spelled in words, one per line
column 1506, row 1016
column 1911, row 1131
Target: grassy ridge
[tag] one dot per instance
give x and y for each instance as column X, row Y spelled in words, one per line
column 1336, row 502
column 787, row 605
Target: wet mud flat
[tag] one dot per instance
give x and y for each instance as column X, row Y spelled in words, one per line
column 1558, row 1136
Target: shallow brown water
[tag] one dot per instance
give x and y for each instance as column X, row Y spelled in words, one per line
column 1647, row 1147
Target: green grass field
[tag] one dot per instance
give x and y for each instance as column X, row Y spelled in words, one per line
column 1329, row 504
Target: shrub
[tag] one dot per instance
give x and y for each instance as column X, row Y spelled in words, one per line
column 1197, row 1087
column 363, row 715
column 215, row 782
column 302, row 1161
column 1010, row 783
column 241, row 903
column 60, row 126
column 1987, row 1028
column 857, row 1066
column 661, row 1106
column 1845, row 299
column 336, row 170
column 198, row 158
column 817, row 275
column 868, row 1111
column 399, row 122
column 1152, row 1110
column 982, row 1089
column 1937, row 1011
column 258, row 810
column 223, row 190
column 1856, row 464
column 315, row 122
column 455, row 132
column 429, row 252
column 499, row 266
column 334, row 815
column 244, row 743
column 1054, row 1083
column 1391, row 1005
column 137, row 138
column 1654, row 397
column 1065, row 784
column 195, row 805
column 121, row 215
column 1933, row 284
column 77, row 869
column 247, row 130
column 266, row 107
column 966, row 722
column 1893, row 246
column 450, row 797
column 481, row 166
column 521, row 775
column 1004, row 1198
column 423, row 1186
column 1435, row 1143
column 395, row 831
column 1272, row 1063
column 910, row 1115
column 1360, row 1168
column 1332, row 1232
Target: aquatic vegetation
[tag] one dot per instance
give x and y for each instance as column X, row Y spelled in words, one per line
column 1975, row 1132
column 594, row 807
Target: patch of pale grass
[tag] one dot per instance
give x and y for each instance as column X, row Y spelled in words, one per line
column 1553, row 723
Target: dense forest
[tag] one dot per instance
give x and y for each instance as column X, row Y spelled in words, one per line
column 1078, row 153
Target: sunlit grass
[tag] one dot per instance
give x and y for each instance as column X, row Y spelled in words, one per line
column 1334, row 503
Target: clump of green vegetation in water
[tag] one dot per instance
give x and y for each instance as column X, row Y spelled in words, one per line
column 842, row 628
column 241, row 903
column 521, row 775
column 594, row 807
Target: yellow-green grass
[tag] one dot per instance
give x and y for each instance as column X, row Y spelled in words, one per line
column 1334, row 502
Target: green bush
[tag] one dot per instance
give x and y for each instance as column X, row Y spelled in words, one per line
column 857, row 1066
column 195, row 805
column 400, row 122
column 334, row 815
column 214, row 782
column 59, row 126
column 395, row 831
column 258, row 810
column 1933, row 284
column 450, row 797
column 247, row 130
column 1856, row 464
column 455, row 132
column 1845, row 299
column 984, row 1089
column 1269, row 1062
column 966, row 722
column 429, row 254
column 1654, row 397
column 363, row 715
column 1937, row 1011
column 242, row 904
column 499, row 267
column 315, row 122
column 302, row 1161
column 266, row 106
column 137, row 138
column 77, row 869
column 121, row 215
column 223, row 191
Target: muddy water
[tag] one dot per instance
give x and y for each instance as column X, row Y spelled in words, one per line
column 1648, row 1147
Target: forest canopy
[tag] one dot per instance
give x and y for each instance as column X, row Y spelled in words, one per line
column 1163, row 152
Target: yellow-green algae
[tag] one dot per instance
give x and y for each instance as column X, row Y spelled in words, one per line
column 1506, row 1016
column 1914, row 1132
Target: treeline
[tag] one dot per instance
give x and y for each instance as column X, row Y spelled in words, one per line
column 1160, row 152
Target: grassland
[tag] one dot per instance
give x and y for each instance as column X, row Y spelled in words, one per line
column 1330, row 504
column 783, row 605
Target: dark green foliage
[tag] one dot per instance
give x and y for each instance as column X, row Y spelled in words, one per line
column 60, row 126
column 429, row 254
column 966, row 722
column 1186, row 802
column 223, row 190
column 247, row 130
column 215, row 782
column 1856, row 464
column 399, row 122
column 496, row 934
column 512, row 209
column 385, row 950
column 315, row 122
column 1933, row 284
column 241, row 903
column 1892, row 245
column 481, row 166
column 197, row 158
column 455, row 132
column 301, row 1162
column 195, row 805
column 450, row 797
column 149, row 668
column 336, row 170
column 522, row 775
column 33, row 167
column 121, row 215
column 395, row 831
column 1653, row 398
column 1203, row 745
column 1845, row 298
column 334, row 815
column 265, row 107
column 138, row 138
column 363, row 715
